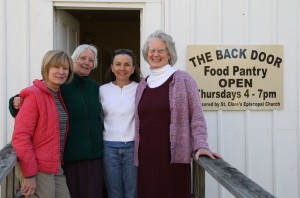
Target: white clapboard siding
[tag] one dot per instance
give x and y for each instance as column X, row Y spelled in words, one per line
column 264, row 145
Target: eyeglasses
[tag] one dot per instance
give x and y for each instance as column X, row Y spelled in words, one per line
column 159, row 51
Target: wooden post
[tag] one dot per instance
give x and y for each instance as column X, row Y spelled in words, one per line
column 3, row 188
column 16, row 183
column 198, row 180
column 10, row 184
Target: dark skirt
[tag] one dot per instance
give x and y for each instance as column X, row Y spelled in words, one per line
column 85, row 178
column 157, row 177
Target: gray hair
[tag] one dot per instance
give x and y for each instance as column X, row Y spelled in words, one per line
column 167, row 39
column 83, row 47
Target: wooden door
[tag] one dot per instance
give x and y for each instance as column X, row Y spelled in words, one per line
column 67, row 29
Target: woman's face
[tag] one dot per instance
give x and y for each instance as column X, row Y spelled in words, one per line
column 158, row 55
column 84, row 63
column 57, row 76
column 122, row 67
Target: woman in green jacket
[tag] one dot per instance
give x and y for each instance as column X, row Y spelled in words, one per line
column 84, row 144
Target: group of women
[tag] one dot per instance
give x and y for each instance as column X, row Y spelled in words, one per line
column 141, row 134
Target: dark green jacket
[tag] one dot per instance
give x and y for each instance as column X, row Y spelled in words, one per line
column 11, row 108
column 85, row 136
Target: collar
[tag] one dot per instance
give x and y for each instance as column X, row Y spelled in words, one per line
column 160, row 75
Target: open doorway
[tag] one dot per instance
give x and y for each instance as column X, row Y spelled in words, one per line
column 108, row 30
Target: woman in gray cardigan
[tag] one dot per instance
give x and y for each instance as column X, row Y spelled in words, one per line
column 169, row 124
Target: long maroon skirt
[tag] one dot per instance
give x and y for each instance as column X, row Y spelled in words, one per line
column 157, row 177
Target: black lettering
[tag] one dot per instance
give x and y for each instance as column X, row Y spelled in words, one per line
column 193, row 61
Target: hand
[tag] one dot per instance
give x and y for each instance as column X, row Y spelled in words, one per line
column 17, row 103
column 208, row 153
column 29, row 186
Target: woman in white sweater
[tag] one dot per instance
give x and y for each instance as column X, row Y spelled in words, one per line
column 117, row 98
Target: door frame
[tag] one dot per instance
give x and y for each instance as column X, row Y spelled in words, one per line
column 151, row 16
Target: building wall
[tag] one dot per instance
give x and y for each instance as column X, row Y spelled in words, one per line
column 264, row 145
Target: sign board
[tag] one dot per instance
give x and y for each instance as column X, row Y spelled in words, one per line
column 246, row 77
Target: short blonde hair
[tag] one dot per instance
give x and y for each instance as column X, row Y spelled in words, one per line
column 57, row 58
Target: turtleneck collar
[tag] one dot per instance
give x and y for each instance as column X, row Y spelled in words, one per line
column 80, row 81
column 79, row 77
column 160, row 75
column 159, row 71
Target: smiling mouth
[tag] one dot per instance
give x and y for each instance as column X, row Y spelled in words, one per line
column 60, row 78
column 156, row 60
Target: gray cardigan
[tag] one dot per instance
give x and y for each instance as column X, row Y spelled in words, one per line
column 188, row 130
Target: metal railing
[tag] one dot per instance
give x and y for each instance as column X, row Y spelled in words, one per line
column 229, row 177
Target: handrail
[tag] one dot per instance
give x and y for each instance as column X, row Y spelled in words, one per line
column 233, row 180
column 8, row 180
column 8, row 160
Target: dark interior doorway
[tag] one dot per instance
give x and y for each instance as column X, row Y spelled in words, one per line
column 108, row 30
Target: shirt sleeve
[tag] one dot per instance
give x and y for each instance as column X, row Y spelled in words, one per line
column 23, row 135
column 11, row 108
